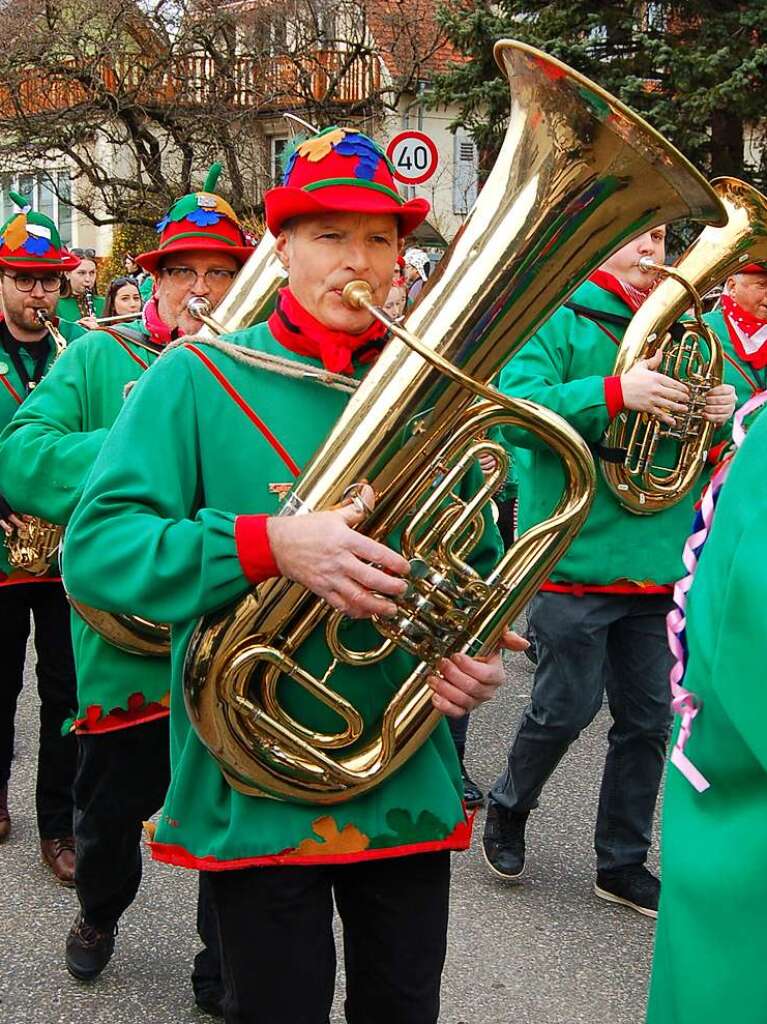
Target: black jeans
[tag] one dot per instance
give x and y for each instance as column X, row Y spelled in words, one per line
column 586, row 645
column 121, row 781
column 277, row 941
column 57, row 756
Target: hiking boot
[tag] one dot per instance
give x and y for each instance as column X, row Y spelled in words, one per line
column 472, row 794
column 632, row 886
column 88, row 949
column 503, row 843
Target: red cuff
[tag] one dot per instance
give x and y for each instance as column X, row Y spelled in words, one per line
column 613, row 396
column 253, row 548
column 719, row 449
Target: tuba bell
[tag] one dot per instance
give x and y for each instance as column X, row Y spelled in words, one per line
column 245, row 303
column 577, row 176
column 692, row 353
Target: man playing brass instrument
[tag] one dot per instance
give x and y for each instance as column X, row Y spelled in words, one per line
column 46, row 453
column 599, row 621
column 197, row 462
column 32, row 260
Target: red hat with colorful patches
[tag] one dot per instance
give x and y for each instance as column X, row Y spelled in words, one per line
column 199, row 222
column 343, row 171
column 753, row 268
column 31, row 241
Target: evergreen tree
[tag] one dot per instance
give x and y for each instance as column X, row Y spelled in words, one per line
column 696, row 70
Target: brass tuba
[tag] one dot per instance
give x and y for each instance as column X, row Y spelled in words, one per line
column 245, row 303
column 33, row 546
column 692, row 353
column 578, row 175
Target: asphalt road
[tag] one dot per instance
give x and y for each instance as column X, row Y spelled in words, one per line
column 544, row 952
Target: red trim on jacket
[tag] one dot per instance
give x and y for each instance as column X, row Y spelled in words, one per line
column 253, row 548
column 124, row 344
column 249, row 412
column 11, row 580
column 619, row 587
column 613, row 396
column 168, row 853
column 12, row 389
column 755, row 388
column 137, row 712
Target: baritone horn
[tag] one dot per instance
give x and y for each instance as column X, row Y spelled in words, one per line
column 577, row 176
column 651, row 465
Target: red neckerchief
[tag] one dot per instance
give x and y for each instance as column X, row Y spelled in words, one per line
column 301, row 333
column 159, row 332
column 749, row 325
column 633, row 297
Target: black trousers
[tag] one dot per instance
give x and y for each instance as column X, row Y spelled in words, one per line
column 277, row 943
column 56, row 685
column 121, row 781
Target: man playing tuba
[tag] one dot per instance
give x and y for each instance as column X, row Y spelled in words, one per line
column 46, row 453
column 192, row 471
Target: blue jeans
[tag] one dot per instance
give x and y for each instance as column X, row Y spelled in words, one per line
column 585, row 645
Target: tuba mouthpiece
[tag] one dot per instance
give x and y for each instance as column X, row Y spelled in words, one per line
column 647, row 265
column 357, row 294
column 198, row 307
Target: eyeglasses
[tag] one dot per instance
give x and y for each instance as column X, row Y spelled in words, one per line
column 89, row 254
column 188, row 277
column 27, row 282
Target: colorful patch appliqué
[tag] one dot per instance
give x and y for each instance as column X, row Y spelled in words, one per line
column 406, row 832
column 348, row 840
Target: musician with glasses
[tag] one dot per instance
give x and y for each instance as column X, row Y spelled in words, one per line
column 599, row 622
column 32, row 260
column 196, row 463
column 80, row 302
column 46, row 454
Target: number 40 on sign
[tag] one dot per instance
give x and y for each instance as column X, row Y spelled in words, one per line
column 414, row 157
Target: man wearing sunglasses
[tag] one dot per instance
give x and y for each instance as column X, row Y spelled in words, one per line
column 46, row 455
column 32, row 260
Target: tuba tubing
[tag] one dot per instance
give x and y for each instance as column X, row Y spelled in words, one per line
column 639, row 485
column 577, row 176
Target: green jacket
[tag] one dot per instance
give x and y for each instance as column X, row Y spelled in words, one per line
column 155, row 534
column 563, row 367
column 69, row 309
column 710, row 941
column 46, row 454
column 744, row 378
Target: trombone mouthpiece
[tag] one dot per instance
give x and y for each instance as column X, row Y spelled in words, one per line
column 357, row 294
column 198, row 307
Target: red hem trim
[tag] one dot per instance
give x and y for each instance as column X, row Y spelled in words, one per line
column 12, row 581
column 253, row 548
column 124, row 344
column 613, row 396
column 12, row 390
column 626, row 587
column 459, row 839
column 120, row 719
column 249, row 412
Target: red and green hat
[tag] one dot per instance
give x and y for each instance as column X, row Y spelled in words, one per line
column 339, row 170
column 753, row 268
column 31, row 241
column 199, row 222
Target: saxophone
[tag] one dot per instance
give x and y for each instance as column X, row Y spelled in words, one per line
column 33, row 546
column 577, row 176
column 692, row 353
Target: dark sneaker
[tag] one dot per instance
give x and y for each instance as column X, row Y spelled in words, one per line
column 632, row 886
column 503, row 843
column 88, row 949
column 472, row 794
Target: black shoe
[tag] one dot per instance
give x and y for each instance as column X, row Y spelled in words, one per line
column 503, row 844
column 632, row 886
column 472, row 794
column 210, row 1001
column 88, row 949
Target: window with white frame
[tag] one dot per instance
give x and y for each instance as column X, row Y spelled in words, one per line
column 48, row 192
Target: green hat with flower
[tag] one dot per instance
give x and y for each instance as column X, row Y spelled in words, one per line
column 30, row 241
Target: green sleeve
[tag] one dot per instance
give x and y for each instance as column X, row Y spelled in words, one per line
column 540, row 372
column 45, row 452
column 139, row 540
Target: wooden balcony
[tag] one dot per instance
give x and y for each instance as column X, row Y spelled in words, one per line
column 197, row 83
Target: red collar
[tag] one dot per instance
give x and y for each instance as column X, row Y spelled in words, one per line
column 301, row 333
column 159, row 332
column 633, row 297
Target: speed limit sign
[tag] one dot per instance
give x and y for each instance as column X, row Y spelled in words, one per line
column 414, row 157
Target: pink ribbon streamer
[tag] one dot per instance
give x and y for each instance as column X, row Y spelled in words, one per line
column 683, row 701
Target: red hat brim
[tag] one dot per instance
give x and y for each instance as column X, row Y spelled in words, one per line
column 285, row 201
column 752, row 268
column 150, row 261
column 69, row 262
